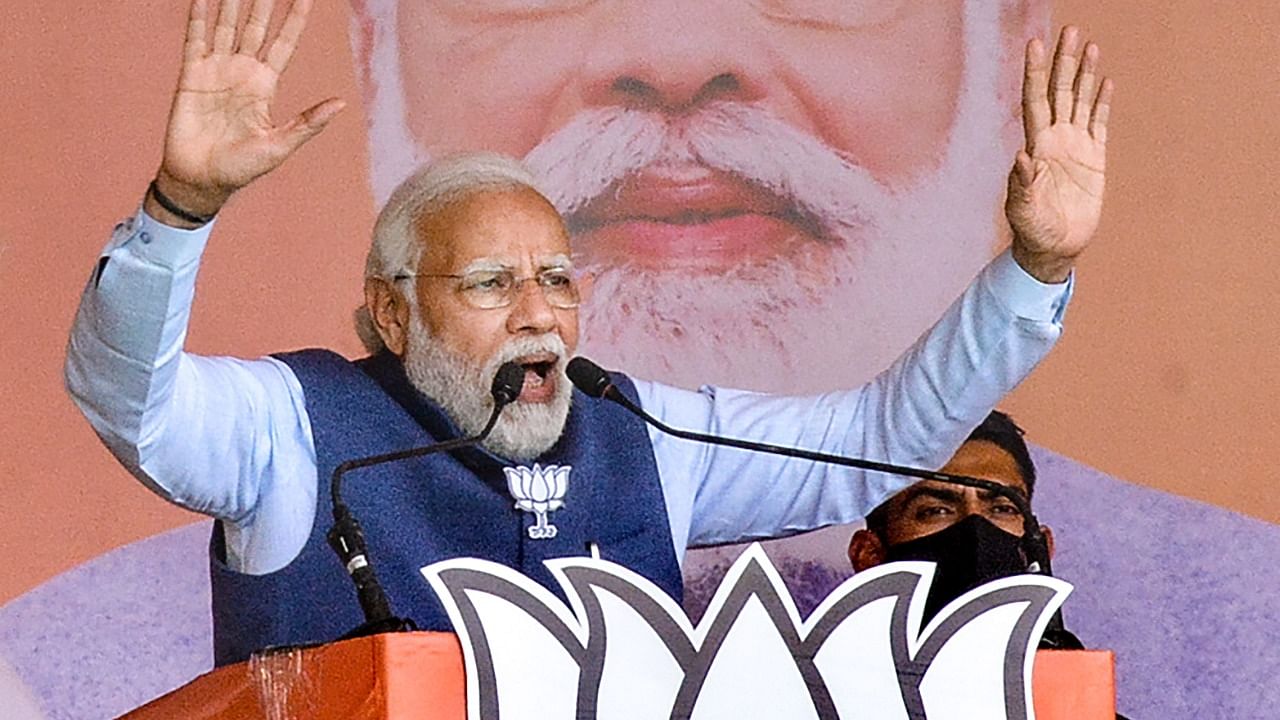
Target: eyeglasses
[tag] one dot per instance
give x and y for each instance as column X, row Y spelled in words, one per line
column 493, row 289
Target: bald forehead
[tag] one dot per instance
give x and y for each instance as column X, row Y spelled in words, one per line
column 513, row 227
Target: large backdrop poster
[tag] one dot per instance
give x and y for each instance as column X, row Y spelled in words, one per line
column 774, row 194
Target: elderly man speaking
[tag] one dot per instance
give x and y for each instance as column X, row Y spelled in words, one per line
column 471, row 268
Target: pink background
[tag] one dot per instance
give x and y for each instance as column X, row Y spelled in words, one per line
column 1165, row 376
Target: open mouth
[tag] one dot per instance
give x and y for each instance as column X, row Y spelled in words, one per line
column 539, row 377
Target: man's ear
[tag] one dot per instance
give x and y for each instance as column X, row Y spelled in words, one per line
column 389, row 310
column 865, row 550
column 1048, row 538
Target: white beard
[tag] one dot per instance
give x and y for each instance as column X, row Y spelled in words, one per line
column 804, row 321
column 891, row 261
column 524, row 431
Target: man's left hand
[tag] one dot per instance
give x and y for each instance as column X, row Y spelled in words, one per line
column 1055, row 187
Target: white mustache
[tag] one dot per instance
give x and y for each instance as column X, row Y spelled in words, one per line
column 598, row 148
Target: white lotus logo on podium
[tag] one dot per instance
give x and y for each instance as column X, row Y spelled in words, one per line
column 624, row 650
column 539, row 490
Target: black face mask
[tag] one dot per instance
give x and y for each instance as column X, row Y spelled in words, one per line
column 969, row 553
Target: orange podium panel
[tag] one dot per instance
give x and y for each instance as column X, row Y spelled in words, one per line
column 1074, row 684
column 416, row 676
column 420, row 676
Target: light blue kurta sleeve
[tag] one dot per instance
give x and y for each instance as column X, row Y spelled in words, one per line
column 917, row 412
column 221, row 436
column 231, row 438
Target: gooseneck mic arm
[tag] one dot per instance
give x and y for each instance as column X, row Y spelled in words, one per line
column 595, row 381
column 346, row 537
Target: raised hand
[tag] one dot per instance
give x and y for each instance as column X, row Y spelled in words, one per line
column 1055, row 188
column 221, row 135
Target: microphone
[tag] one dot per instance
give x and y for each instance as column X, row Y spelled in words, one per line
column 594, row 381
column 346, row 537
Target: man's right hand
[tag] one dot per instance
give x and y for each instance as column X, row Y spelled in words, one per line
column 220, row 135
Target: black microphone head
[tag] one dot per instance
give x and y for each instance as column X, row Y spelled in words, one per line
column 507, row 384
column 588, row 377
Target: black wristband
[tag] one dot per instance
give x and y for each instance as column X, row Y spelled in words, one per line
column 174, row 208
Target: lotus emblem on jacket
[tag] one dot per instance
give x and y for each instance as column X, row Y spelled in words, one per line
column 539, row 490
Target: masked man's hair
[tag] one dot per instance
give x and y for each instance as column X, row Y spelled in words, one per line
column 998, row 429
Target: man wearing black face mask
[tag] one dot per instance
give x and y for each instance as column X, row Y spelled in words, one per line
column 973, row 536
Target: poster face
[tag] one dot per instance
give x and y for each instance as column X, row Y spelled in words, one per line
column 778, row 195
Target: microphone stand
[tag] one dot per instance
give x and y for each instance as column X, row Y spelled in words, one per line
column 595, row 381
column 346, row 537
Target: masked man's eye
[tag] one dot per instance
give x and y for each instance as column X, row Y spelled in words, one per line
column 1006, row 509
column 933, row 512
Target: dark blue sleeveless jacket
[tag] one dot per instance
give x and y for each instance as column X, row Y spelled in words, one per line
column 416, row 512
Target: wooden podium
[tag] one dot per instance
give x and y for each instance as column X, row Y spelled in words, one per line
column 419, row 676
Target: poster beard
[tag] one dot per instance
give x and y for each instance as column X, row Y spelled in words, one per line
column 869, row 269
